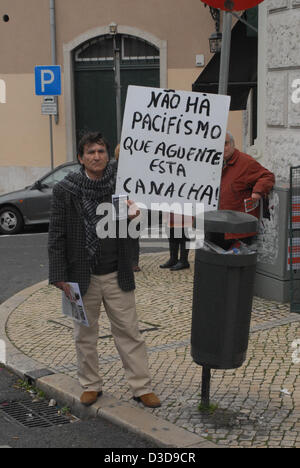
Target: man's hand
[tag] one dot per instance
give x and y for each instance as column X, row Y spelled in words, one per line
column 133, row 209
column 65, row 287
column 256, row 196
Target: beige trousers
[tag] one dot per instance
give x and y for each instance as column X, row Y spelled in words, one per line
column 121, row 311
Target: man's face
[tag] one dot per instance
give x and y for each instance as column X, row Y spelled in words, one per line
column 228, row 148
column 95, row 159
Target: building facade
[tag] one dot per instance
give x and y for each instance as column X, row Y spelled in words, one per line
column 159, row 41
column 278, row 142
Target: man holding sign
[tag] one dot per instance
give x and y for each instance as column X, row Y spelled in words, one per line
column 102, row 268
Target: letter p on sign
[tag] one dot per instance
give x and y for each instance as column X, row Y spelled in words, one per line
column 48, row 80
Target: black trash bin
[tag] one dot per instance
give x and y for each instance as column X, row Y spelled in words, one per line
column 223, row 293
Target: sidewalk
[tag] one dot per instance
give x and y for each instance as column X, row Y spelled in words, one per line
column 257, row 405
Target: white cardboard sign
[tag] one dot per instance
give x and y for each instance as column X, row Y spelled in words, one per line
column 172, row 146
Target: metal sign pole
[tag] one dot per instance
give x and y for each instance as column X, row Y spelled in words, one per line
column 117, row 88
column 51, row 142
column 205, row 388
column 223, row 87
column 225, row 53
column 53, row 45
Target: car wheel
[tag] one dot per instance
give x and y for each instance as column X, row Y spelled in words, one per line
column 11, row 221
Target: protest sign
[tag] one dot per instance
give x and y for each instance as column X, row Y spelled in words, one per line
column 172, row 147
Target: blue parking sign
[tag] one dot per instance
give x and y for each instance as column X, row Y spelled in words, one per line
column 48, row 80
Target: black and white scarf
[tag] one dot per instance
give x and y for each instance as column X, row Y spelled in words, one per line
column 90, row 194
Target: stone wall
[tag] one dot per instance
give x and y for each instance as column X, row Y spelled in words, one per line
column 281, row 134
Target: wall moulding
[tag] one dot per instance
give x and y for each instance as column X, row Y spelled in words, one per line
column 69, row 75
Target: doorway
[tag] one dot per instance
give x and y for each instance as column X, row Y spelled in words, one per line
column 94, row 79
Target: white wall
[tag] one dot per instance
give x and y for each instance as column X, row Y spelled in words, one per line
column 279, row 66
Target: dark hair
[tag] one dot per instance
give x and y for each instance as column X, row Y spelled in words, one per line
column 90, row 138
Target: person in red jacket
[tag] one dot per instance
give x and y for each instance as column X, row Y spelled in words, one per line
column 243, row 178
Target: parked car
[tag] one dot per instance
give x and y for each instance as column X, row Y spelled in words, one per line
column 32, row 204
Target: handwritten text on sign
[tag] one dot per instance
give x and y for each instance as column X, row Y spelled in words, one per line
column 172, row 146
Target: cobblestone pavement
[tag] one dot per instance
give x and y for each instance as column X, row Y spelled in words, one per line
column 257, row 405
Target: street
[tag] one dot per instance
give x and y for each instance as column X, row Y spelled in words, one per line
column 95, row 433
column 187, row 108
column 24, row 259
column 24, row 262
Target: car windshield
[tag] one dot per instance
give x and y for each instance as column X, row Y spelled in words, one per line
column 59, row 174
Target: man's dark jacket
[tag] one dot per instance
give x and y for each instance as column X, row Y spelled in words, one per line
column 68, row 257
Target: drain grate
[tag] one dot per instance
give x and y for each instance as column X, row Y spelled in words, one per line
column 33, row 414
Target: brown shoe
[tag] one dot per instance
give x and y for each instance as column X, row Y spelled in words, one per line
column 149, row 399
column 89, row 398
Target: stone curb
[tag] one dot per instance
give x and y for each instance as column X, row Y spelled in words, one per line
column 15, row 359
column 67, row 391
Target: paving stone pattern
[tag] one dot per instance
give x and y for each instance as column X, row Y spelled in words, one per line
column 249, row 408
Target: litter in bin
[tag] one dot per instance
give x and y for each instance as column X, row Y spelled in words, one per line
column 240, row 247
column 237, row 248
column 210, row 246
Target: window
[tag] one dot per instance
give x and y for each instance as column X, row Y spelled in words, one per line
column 96, row 50
column 60, row 174
column 101, row 50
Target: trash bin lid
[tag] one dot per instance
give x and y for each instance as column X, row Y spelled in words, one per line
column 229, row 221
